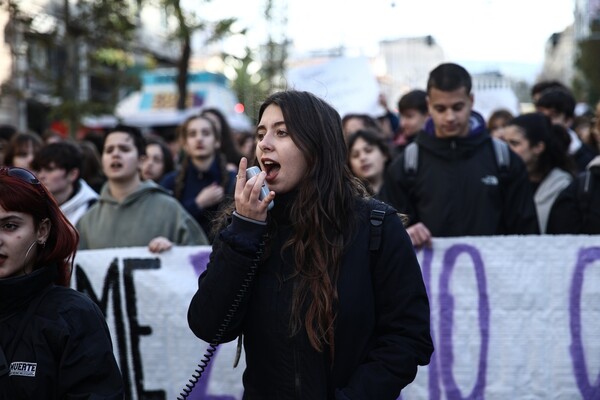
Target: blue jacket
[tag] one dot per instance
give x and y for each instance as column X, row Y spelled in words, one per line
column 194, row 182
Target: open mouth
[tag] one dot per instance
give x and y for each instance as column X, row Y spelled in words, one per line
column 116, row 164
column 271, row 168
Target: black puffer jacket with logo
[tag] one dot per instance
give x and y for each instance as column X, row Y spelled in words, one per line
column 458, row 189
column 64, row 350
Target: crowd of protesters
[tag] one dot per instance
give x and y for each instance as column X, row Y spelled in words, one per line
column 434, row 160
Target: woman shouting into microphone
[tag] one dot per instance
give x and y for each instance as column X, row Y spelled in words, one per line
column 54, row 341
column 329, row 306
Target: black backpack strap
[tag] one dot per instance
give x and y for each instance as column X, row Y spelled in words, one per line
column 376, row 218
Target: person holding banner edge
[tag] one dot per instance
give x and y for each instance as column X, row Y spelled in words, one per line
column 54, row 341
column 323, row 317
column 131, row 212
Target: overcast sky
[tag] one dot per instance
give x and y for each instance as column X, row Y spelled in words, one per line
column 480, row 32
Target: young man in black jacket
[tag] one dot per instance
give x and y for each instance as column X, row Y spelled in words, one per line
column 458, row 187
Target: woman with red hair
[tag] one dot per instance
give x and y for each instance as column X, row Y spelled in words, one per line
column 54, row 341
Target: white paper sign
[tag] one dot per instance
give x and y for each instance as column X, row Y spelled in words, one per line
column 348, row 84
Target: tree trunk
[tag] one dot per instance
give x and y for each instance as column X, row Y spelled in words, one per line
column 182, row 72
column 184, row 60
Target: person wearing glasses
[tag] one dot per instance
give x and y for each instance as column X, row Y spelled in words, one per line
column 54, row 341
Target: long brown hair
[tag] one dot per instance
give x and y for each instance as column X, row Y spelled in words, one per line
column 323, row 211
column 33, row 199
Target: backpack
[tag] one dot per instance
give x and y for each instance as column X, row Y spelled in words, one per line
column 501, row 151
column 376, row 219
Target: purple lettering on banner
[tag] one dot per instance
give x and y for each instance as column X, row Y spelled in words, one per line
column 585, row 258
column 199, row 261
column 447, row 320
column 433, row 369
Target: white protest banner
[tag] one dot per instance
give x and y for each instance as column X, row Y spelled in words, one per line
column 513, row 317
column 347, row 83
column 145, row 298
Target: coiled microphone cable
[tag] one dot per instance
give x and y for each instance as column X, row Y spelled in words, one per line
column 212, row 347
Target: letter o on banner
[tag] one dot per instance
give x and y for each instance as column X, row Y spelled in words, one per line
column 586, row 257
column 447, row 319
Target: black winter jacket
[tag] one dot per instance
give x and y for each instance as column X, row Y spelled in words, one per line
column 576, row 210
column 458, row 189
column 64, row 351
column 381, row 329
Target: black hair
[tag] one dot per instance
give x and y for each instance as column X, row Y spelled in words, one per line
column 559, row 100
column 541, row 86
column 368, row 121
column 65, row 155
column 449, row 77
column 91, row 168
column 7, row 132
column 537, row 128
column 413, row 100
column 138, row 139
column 96, row 138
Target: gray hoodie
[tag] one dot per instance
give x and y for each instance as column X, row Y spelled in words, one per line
column 545, row 195
column 148, row 212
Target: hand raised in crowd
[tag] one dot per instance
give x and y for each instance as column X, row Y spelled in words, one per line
column 210, row 195
column 159, row 244
column 419, row 235
column 247, row 203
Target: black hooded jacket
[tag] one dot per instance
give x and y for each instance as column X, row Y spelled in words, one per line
column 381, row 328
column 63, row 351
column 576, row 210
column 458, row 189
